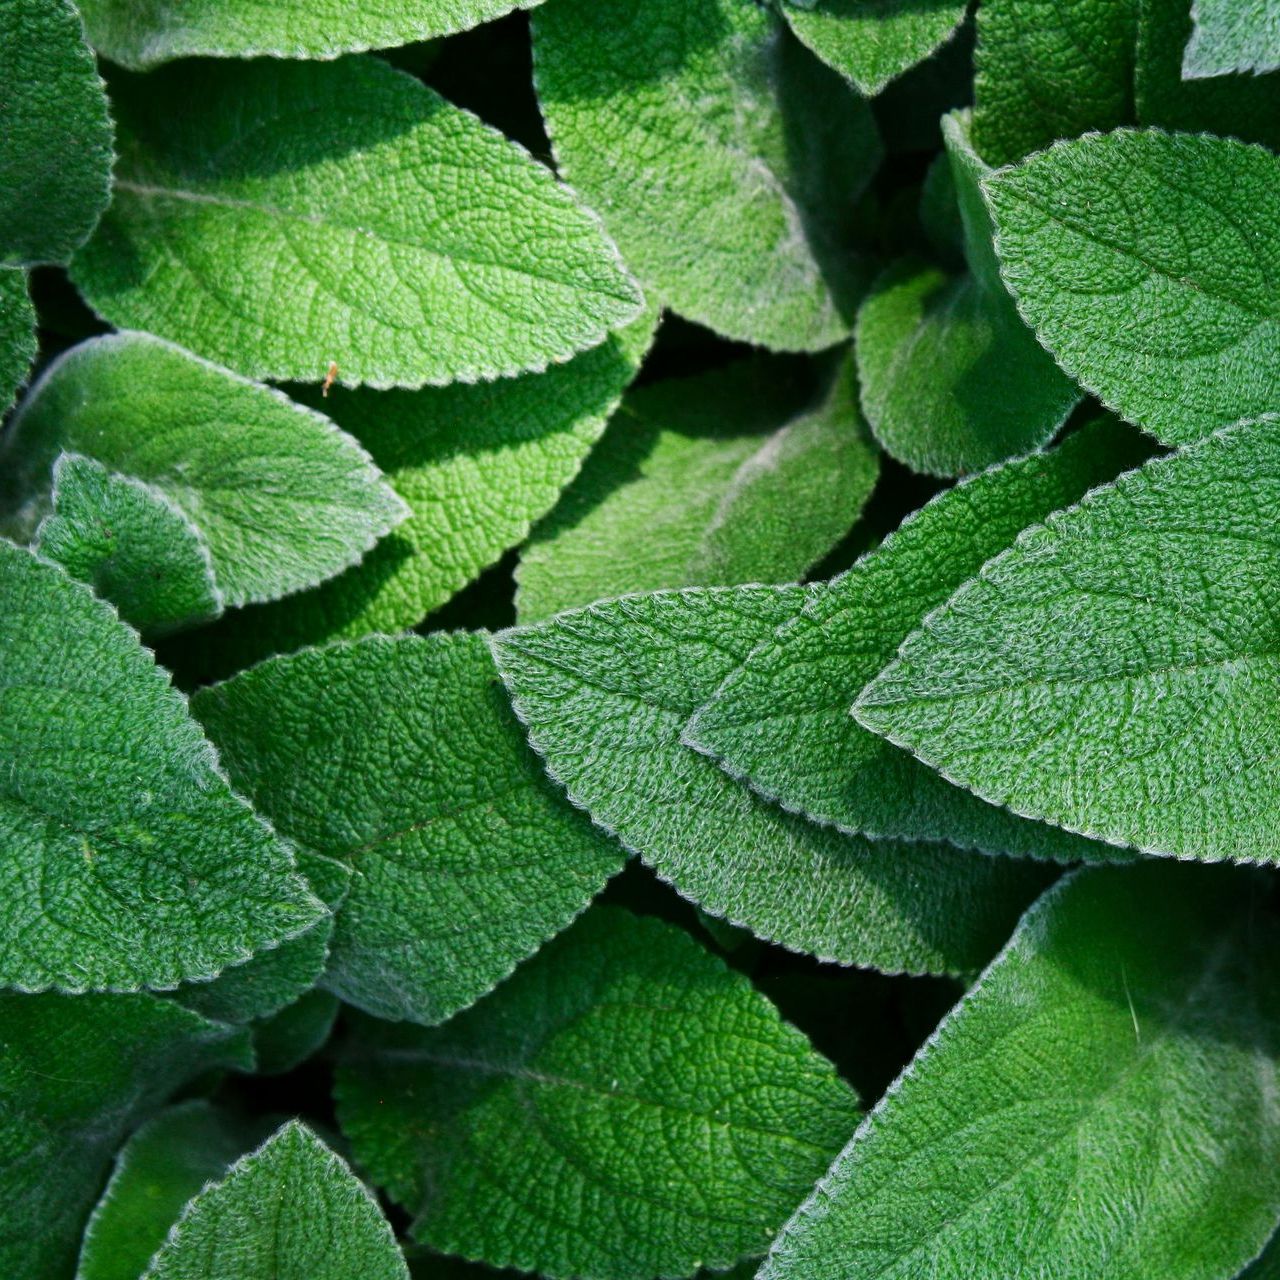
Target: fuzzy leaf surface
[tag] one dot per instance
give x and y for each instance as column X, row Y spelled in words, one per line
column 477, row 465
column 605, row 693
column 278, row 496
column 128, row 861
column 401, row 758
column 1114, row 671
column 727, row 477
column 1100, row 1106
column 678, row 1117
column 55, row 144
column 1146, row 262
column 873, row 43
column 281, row 217
column 142, row 33
column 781, row 720
column 1232, row 36
column 77, row 1073
column 291, row 1210
column 17, row 334
column 721, row 155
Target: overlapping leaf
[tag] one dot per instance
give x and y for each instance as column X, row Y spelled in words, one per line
column 282, row 218
column 1115, row 670
column 128, row 861
column 727, row 477
column 781, row 720
column 721, row 155
column 1100, row 1105
column 605, row 693
column 678, row 1118
column 401, row 758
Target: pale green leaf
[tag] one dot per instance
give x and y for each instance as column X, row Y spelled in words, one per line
column 157, row 1171
column 283, row 217
column 721, row 155
column 739, row 475
column 952, row 378
column 1049, row 69
column 1100, row 1106
column 291, row 1210
column 477, row 465
column 131, row 543
column 128, row 861
column 17, row 334
column 605, row 693
column 277, row 495
column 1146, row 262
column 871, row 42
column 781, row 720
column 676, row 1118
column 55, row 133
column 1232, row 36
column 401, row 758
column 142, row 33
column 76, row 1074
column 1114, row 671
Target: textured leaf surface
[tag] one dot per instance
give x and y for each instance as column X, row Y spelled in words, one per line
column 1115, row 670
column 55, row 134
column 952, row 378
column 128, row 861
column 291, row 1210
column 17, row 333
column 279, row 497
column 142, row 33
column 280, row 217
column 1233, row 36
column 1049, row 69
column 158, row 1170
column 722, row 156
column 873, row 43
column 1100, row 1106
column 781, row 720
column 605, row 693
column 401, row 757
column 727, row 477
column 678, row 1118
column 130, row 543
column 477, row 466
column 76, row 1074
column 1146, row 263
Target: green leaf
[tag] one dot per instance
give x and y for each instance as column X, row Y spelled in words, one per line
column 781, row 720
column 401, row 758
column 625, row 1106
column 952, row 378
column 282, row 217
column 55, row 147
column 1267, row 1266
column 128, row 860
column 76, row 1074
column 477, row 465
column 158, row 1170
column 1049, row 69
column 1145, row 261
column 721, row 155
column 142, row 33
column 131, row 543
column 17, row 334
column 290, row 1209
column 605, row 693
column 731, row 476
column 279, row 497
column 1232, row 36
column 1100, row 1105
column 285, row 1040
column 871, row 42
column 1113, row 671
